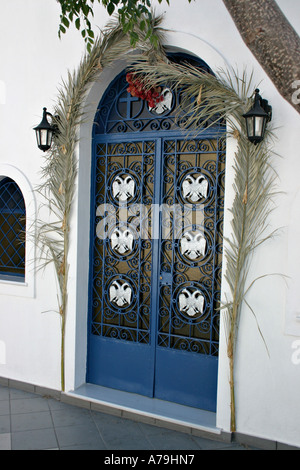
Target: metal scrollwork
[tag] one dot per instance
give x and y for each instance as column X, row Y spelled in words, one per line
column 190, row 257
column 122, row 113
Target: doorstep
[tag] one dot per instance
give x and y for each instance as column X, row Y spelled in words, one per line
column 149, row 410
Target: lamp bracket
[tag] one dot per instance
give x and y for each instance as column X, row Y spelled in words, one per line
column 264, row 104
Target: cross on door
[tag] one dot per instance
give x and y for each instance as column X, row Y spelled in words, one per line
column 128, row 99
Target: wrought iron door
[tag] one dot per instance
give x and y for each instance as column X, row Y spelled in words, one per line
column 190, row 271
column 156, row 256
column 122, row 266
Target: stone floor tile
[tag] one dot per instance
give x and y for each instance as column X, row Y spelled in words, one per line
column 4, row 407
column 89, row 446
column 28, row 405
column 70, row 417
column 31, row 421
column 77, row 435
column 16, row 394
column 5, row 441
column 4, row 393
column 40, row 439
column 210, row 444
column 173, row 441
column 141, row 443
column 4, row 423
column 123, row 430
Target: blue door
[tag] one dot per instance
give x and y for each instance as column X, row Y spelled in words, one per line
column 156, row 250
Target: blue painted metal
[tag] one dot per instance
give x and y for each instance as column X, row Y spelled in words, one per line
column 121, row 114
column 153, row 318
column 12, row 229
column 186, row 378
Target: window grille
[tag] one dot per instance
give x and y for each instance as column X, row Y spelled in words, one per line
column 12, row 229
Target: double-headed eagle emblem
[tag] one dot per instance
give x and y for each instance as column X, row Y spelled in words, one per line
column 165, row 104
column 193, row 245
column 120, row 293
column 195, row 188
column 122, row 240
column 191, row 303
column 123, row 188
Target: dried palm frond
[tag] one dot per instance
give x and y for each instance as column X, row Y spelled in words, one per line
column 209, row 99
column 59, row 172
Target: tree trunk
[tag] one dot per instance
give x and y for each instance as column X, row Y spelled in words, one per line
column 273, row 41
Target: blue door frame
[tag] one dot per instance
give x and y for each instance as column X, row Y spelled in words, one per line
column 153, row 323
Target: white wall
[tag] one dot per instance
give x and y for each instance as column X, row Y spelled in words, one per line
column 33, row 62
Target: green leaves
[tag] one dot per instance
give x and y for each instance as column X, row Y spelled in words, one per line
column 79, row 12
column 134, row 15
column 110, row 8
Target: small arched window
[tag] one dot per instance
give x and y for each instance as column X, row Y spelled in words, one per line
column 12, row 230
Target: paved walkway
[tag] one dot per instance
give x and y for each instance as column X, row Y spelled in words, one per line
column 33, row 422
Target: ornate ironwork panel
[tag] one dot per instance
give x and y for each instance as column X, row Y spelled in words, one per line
column 12, row 229
column 191, row 248
column 121, row 113
column 122, row 255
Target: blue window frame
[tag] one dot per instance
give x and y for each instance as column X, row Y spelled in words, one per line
column 12, row 230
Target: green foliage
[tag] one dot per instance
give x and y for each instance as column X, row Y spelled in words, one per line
column 134, row 15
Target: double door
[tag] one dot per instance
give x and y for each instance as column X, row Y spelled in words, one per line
column 156, row 257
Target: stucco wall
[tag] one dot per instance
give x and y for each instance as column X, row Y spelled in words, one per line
column 33, row 62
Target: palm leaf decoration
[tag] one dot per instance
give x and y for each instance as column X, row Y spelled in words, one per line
column 228, row 96
column 221, row 96
column 59, row 172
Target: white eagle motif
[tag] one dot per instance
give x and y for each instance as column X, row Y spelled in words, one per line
column 122, row 240
column 191, row 303
column 193, row 245
column 195, row 189
column 120, row 293
column 165, row 104
column 123, row 188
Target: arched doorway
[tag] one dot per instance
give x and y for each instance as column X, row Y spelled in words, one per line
column 156, row 249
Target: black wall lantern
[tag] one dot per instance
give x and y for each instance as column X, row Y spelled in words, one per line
column 257, row 118
column 44, row 132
